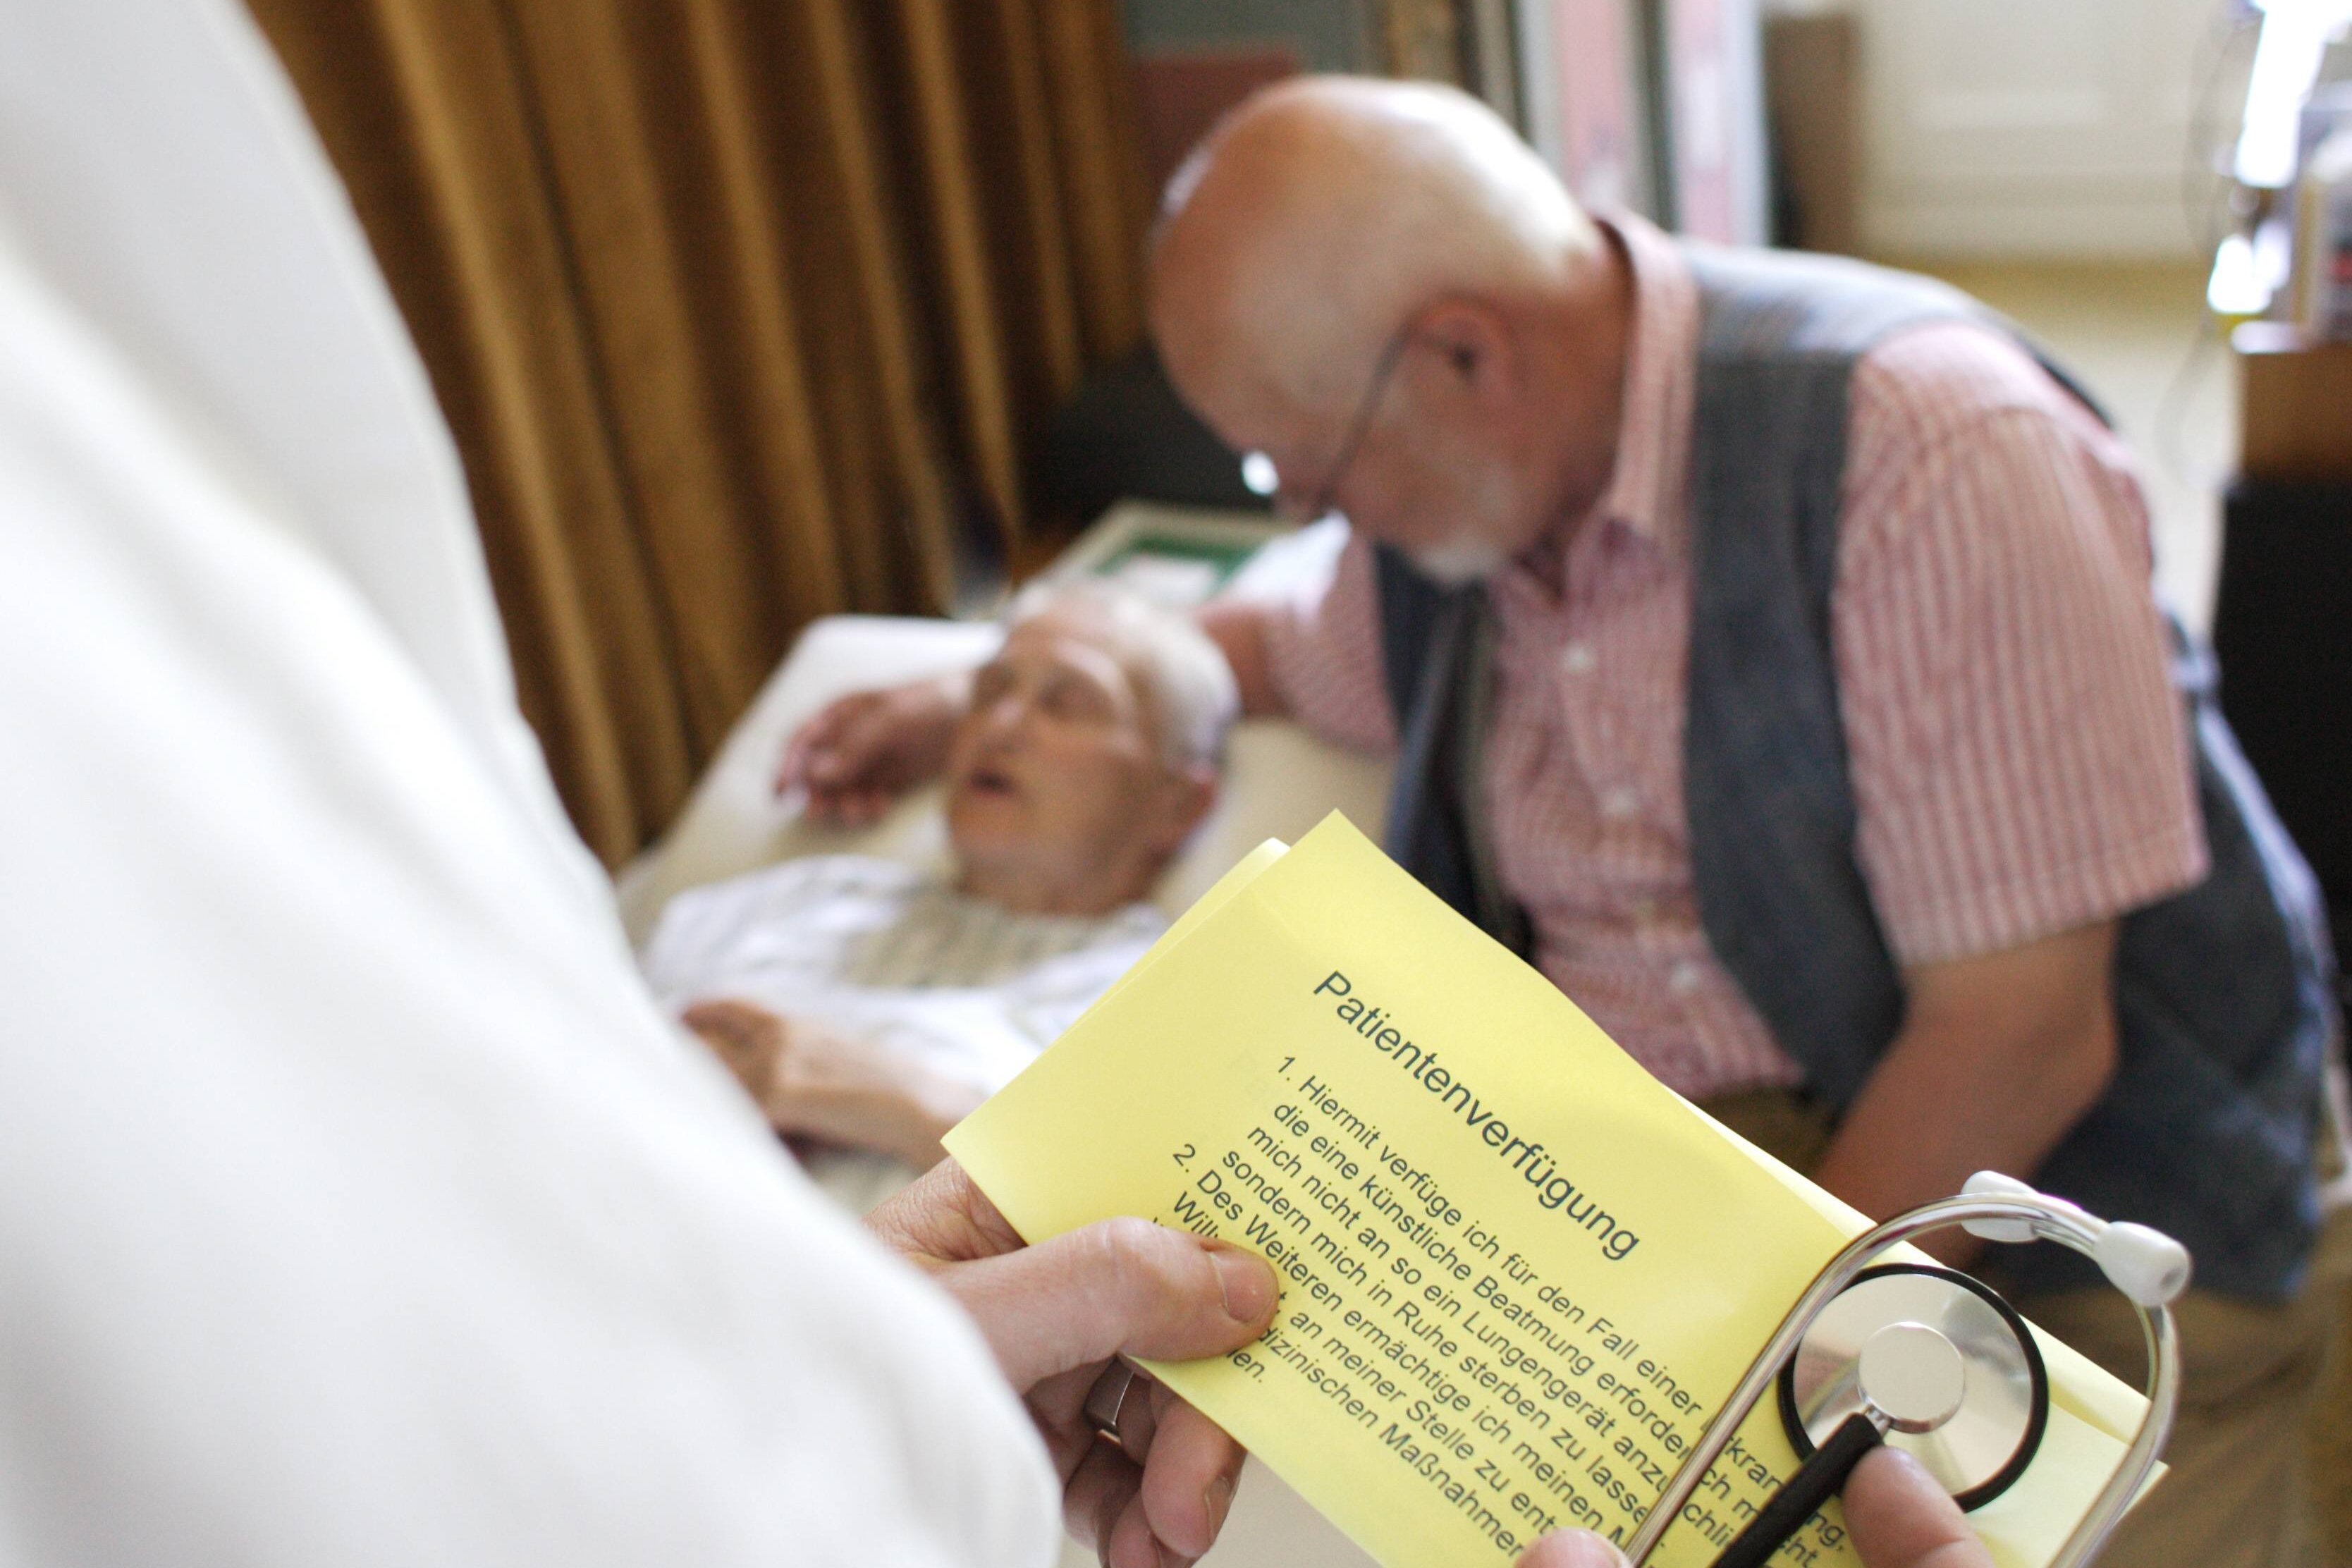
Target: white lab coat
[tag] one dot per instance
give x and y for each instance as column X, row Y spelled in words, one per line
column 356, row 1206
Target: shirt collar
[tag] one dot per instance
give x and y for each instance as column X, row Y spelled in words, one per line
column 1648, row 485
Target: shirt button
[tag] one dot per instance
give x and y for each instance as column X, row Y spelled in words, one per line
column 1685, row 977
column 1579, row 659
column 1619, row 804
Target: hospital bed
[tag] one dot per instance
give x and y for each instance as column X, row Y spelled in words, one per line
column 1279, row 781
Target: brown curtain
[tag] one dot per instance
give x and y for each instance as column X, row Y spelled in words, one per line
column 742, row 314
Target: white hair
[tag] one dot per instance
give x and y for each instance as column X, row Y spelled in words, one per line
column 1188, row 688
column 1400, row 193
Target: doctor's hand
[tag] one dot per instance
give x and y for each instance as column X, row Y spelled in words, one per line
column 863, row 751
column 1057, row 1312
column 1900, row 1519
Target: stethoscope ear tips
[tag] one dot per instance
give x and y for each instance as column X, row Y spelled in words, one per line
column 1911, row 1322
column 2145, row 1265
column 1993, row 1184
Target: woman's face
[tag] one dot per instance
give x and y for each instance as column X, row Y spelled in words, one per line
column 1056, row 781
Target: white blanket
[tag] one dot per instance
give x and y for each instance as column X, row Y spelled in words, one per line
column 889, row 957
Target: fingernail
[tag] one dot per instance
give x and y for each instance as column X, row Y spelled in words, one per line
column 1579, row 1548
column 1217, row 1497
column 1248, row 1283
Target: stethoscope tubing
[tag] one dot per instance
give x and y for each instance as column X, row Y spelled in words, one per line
column 1813, row 1484
column 2049, row 1219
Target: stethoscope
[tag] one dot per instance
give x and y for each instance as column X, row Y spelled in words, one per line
column 1933, row 1362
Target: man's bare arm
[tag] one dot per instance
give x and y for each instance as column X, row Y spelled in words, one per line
column 1998, row 1059
column 1238, row 628
column 813, row 1084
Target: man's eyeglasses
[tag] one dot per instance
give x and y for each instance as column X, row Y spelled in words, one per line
column 1259, row 473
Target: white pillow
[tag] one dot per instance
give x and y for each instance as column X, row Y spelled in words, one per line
column 1279, row 780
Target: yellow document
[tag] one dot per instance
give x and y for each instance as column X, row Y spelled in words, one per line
column 1519, row 1274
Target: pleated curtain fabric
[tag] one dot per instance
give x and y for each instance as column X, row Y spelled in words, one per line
column 742, row 312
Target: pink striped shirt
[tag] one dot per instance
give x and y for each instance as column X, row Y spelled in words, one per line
column 2019, row 760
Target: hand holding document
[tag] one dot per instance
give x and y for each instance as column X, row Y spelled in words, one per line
column 1519, row 1274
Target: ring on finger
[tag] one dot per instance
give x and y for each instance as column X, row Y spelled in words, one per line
column 1107, row 1400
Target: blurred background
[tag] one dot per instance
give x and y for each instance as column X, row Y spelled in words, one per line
column 745, row 313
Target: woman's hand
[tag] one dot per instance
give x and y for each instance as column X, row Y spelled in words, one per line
column 814, row 1085
column 1057, row 1312
column 866, row 750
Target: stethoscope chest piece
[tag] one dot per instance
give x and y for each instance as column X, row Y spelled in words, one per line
column 1949, row 1370
column 1936, row 1364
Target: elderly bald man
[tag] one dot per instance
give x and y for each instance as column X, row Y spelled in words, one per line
column 1768, row 651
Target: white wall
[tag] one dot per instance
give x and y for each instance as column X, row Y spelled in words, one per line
column 1743, row 75
column 2036, row 128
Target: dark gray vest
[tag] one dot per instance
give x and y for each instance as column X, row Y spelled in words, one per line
column 2222, row 993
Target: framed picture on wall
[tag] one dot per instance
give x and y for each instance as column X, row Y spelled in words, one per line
column 1654, row 106
column 1196, row 59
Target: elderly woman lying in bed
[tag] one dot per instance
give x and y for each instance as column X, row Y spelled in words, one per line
column 869, row 1005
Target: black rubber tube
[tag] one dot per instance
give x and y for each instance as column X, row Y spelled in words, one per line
column 1817, row 1480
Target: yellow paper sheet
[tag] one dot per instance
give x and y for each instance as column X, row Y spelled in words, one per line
column 1518, row 1272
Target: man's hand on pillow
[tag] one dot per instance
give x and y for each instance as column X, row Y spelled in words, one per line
column 814, row 1085
column 863, row 751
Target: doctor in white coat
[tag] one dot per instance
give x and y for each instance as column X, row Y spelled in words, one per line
column 356, row 1205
